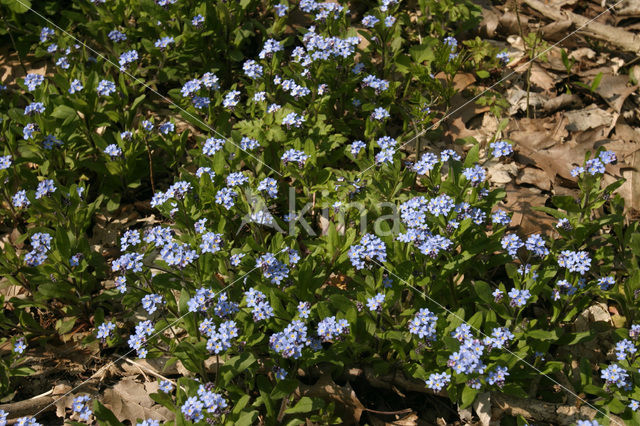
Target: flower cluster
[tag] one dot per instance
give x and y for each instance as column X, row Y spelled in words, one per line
column 219, row 339
column 330, row 329
column 370, row 247
column 575, row 261
column 80, row 405
column 423, row 324
column 207, row 401
column 41, row 243
column 290, row 342
column 257, row 301
column 272, row 268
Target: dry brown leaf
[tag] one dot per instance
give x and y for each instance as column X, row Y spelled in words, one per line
column 129, row 401
column 521, row 201
column 615, row 89
column 410, row 419
column 347, row 403
column 590, row 117
column 536, row 177
column 338, row 280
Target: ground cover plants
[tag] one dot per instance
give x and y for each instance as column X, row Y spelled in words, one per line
column 301, row 226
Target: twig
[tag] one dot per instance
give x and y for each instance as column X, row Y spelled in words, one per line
column 623, row 39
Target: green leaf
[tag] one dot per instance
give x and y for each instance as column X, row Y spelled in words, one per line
column 483, row 73
column 21, row 6
column 543, row 334
column 565, row 202
column 483, row 290
column 63, row 112
column 306, row 405
column 104, row 416
column 247, row 418
column 468, row 396
column 473, row 155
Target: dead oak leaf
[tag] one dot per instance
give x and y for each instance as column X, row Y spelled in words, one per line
column 129, row 400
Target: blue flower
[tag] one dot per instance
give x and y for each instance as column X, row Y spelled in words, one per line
column 191, row 87
column 423, row 324
column 19, row 346
column 63, row 63
column 370, row 21
column 106, row 87
column 503, row 57
column 163, row 42
column 511, row 243
column 197, row 20
column 380, row 114
column 45, row 188
column 5, row 162
column 501, row 217
column 375, row 303
column 281, row 9
column 235, row 259
column 304, row 308
column 226, row 197
column 438, row 381
column 498, row 376
column 519, row 297
column 211, row 242
column 270, row 47
column 34, row 107
column 616, row 375
column 32, row 81
column 293, row 155
column 128, row 262
column 113, row 151
column 606, row 282
column 210, row 81
column 165, row 386
column 116, row 36
column 45, row 33
column 476, row 175
column 179, row 255
column 389, row 21
column 212, row 145
column 148, row 422
column 272, row 268
column 330, row 329
column 535, row 243
column 166, row 128
column 501, row 149
column 192, row 409
column 127, row 57
column 231, row 99
column 105, row 329
column 290, row 342
column 20, row 200
column 29, row 130
column 370, row 247
column 252, row 69
column 150, row 301
column 440, row 205
column 356, row 147
column 130, row 237
column 577, row 171
column 80, row 405
column 293, row 120
column 433, row 244
column 575, row 261
column 426, row 164
column 608, row 157
column 594, row 167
